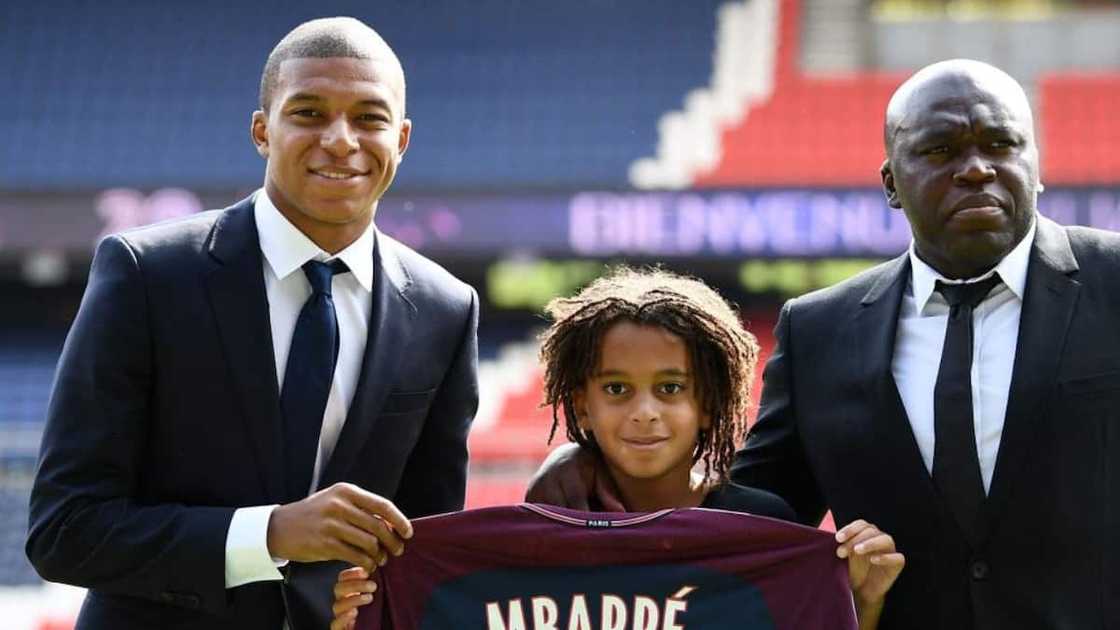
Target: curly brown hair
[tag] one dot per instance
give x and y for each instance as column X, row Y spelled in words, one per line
column 721, row 351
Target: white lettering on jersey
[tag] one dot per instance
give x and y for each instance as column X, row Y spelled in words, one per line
column 579, row 618
column 545, row 613
column 672, row 607
column 614, row 613
column 644, row 613
column 495, row 620
column 683, row 593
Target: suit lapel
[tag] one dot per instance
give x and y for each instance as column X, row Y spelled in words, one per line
column 1048, row 305
column 237, row 295
column 389, row 327
column 874, row 331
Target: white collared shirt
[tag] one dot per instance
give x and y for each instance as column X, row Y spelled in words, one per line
column 285, row 249
column 920, row 337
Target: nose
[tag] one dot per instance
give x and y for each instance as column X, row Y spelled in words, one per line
column 338, row 139
column 975, row 169
column 646, row 409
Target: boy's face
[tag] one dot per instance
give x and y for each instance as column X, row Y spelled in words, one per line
column 641, row 404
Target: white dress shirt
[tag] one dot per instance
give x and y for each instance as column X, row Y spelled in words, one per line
column 285, row 249
column 921, row 334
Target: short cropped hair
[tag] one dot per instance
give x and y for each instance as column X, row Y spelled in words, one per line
column 323, row 38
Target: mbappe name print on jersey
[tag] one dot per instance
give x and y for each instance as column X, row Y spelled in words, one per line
column 641, row 612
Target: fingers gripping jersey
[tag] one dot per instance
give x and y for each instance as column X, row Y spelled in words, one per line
column 531, row 567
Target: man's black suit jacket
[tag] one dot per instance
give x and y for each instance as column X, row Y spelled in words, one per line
column 165, row 417
column 832, row 433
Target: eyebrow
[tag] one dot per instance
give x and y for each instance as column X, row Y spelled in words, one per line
column 315, row 98
column 935, row 129
column 666, row 372
column 951, row 124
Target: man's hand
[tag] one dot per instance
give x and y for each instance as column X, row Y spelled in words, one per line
column 873, row 566
column 342, row 522
column 354, row 588
column 570, row 476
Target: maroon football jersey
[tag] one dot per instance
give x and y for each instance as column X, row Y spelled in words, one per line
column 532, row 567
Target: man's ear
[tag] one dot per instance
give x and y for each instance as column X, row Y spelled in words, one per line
column 405, row 137
column 888, row 184
column 258, row 132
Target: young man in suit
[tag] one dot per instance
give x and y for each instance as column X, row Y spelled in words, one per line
column 965, row 396
column 250, row 392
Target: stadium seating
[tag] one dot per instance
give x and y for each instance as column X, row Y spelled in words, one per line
column 540, row 95
column 26, row 371
column 15, row 570
column 784, row 128
column 1079, row 128
column 27, row 361
column 791, row 128
column 27, row 364
column 545, row 94
column 827, row 132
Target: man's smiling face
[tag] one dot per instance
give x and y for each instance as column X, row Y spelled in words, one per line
column 333, row 136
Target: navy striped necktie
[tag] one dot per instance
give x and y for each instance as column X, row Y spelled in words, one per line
column 308, row 376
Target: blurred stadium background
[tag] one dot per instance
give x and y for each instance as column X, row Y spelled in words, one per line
column 735, row 140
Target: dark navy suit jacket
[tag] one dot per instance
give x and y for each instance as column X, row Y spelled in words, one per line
column 832, row 433
column 165, row 417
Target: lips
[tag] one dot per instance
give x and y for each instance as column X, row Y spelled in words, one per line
column 981, row 201
column 645, row 442
column 338, row 173
column 982, row 211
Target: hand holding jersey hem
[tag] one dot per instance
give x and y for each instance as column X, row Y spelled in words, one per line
column 873, row 567
column 342, row 522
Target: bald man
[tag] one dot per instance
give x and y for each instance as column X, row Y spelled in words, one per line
column 965, row 396
column 998, row 474
column 252, row 398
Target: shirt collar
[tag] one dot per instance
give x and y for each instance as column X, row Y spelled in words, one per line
column 286, row 249
column 1012, row 271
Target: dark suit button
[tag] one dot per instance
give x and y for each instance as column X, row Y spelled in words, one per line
column 979, row 570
